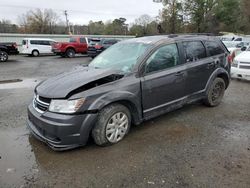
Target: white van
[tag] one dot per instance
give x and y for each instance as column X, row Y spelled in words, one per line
column 37, row 46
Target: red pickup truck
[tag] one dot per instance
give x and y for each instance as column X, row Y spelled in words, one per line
column 69, row 49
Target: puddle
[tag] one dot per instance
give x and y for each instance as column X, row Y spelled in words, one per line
column 10, row 81
column 18, row 83
column 17, row 161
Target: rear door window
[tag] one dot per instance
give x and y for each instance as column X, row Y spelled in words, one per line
column 214, row 48
column 194, row 51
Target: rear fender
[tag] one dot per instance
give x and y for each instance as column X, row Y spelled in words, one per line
column 222, row 73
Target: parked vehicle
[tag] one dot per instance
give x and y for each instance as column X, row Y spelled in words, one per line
column 37, row 46
column 132, row 81
column 241, row 66
column 74, row 46
column 7, row 49
column 235, row 48
column 97, row 46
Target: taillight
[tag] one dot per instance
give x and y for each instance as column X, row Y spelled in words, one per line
column 15, row 45
column 229, row 59
column 98, row 47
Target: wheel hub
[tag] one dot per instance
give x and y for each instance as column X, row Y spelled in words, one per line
column 117, row 127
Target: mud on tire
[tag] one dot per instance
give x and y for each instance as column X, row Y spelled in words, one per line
column 215, row 93
column 99, row 132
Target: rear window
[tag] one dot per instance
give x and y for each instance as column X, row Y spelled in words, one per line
column 194, row 50
column 83, row 40
column 95, row 42
column 214, row 48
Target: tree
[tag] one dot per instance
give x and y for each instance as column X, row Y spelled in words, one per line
column 227, row 12
column 172, row 16
column 7, row 27
column 96, row 28
column 200, row 13
column 39, row 21
column 142, row 23
column 244, row 25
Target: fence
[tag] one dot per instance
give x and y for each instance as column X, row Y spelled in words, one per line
column 9, row 37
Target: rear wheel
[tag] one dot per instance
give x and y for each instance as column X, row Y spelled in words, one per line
column 215, row 93
column 70, row 53
column 3, row 56
column 35, row 53
column 112, row 125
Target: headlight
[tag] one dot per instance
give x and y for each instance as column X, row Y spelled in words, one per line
column 65, row 106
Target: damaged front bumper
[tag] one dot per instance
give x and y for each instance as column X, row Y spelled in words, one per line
column 59, row 131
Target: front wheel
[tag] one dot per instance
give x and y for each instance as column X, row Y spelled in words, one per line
column 112, row 125
column 3, row 56
column 215, row 93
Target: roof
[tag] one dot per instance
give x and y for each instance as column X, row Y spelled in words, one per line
column 38, row 39
column 172, row 37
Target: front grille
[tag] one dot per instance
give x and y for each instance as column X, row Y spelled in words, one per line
column 41, row 104
column 244, row 67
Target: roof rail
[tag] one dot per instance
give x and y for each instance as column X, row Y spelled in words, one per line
column 192, row 34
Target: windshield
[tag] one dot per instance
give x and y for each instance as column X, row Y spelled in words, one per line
column 121, row 56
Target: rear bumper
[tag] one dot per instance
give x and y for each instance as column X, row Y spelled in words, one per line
column 93, row 53
column 13, row 52
column 56, row 51
column 60, row 132
column 240, row 73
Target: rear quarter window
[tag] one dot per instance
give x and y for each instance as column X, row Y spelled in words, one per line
column 214, row 48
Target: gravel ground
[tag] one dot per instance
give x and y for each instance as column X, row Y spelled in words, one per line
column 194, row 146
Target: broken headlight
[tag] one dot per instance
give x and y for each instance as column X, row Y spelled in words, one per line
column 65, row 106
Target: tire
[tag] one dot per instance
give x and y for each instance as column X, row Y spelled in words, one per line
column 35, row 53
column 4, row 56
column 70, row 53
column 215, row 93
column 107, row 130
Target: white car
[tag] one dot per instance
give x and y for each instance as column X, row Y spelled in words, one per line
column 37, row 46
column 241, row 66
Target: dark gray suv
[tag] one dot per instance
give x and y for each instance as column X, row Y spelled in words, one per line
column 132, row 81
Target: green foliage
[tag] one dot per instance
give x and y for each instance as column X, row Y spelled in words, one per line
column 177, row 16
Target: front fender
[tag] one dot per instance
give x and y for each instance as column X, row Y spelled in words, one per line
column 132, row 99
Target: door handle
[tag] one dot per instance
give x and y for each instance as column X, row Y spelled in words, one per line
column 179, row 74
column 210, row 65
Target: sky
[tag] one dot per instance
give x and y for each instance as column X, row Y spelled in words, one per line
column 82, row 11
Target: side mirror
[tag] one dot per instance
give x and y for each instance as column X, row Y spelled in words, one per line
column 243, row 48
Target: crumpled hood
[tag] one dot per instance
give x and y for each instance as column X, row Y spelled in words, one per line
column 61, row 85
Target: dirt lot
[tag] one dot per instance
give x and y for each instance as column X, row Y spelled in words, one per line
column 195, row 146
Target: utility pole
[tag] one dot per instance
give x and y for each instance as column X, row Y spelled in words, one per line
column 67, row 21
